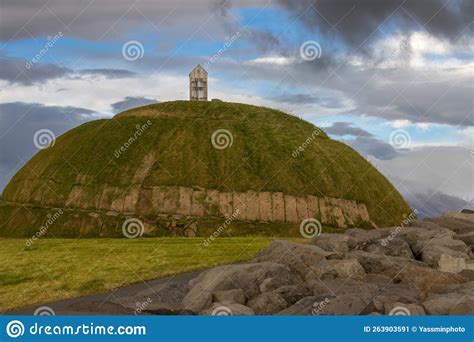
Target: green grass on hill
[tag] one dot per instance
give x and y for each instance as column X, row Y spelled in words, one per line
column 55, row 269
column 178, row 141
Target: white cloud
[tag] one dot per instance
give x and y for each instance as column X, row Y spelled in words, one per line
column 402, row 123
column 276, row 60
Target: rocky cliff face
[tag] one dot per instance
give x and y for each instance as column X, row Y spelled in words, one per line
column 248, row 206
column 172, row 207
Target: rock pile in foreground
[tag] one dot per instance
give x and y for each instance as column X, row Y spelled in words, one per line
column 424, row 269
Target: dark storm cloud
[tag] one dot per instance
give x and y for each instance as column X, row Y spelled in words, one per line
column 443, row 96
column 303, row 99
column 370, row 146
column 356, row 20
column 297, row 98
column 131, row 102
column 346, row 128
column 363, row 142
column 263, row 40
column 18, row 123
column 109, row 73
column 19, row 70
column 99, row 19
column 15, row 70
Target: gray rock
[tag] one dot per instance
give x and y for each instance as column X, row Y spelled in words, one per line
column 448, row 263
column 336, row 287
column 396, row 293
column 229, row 296
column 293, row 293
column 459, row 226
column 334, row 242
column 305, row 260
column 431, row 253
column 468, row 239
column 416, row 236
column 456, row 245
column 348, row 268
column 393, row 247
column 267, row 303
column 363, row 236
column 450, row 304
column 470, row 264
column 378, row 279
column 468, row 274
column 378, row 263
column 227, row 309
column 341, row 305
column 426, row 280
column 241, row 276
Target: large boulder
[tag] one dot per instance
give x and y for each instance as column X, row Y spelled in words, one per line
column 267, row 303
column 246, row 277
column 456, row 245
column 393, row 247
column 457, row 225
column 348, row 268
column 467, row 238
column 427, row 280
column 338, row 286
column 335, row 242
column 378, row 263
column 293, row 293
column 414, row 235
column 432, row 250
column 448, row 263
column 304, row 260
column 393, row 293
column 346, row 304
column 363, row 236
column 229, row 296
column 455, row 303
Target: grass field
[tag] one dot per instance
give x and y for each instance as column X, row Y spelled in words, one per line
column 54, row 269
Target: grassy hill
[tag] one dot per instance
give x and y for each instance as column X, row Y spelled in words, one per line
column 177, row 145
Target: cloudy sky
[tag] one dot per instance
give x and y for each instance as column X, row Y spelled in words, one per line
column 393, row 78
